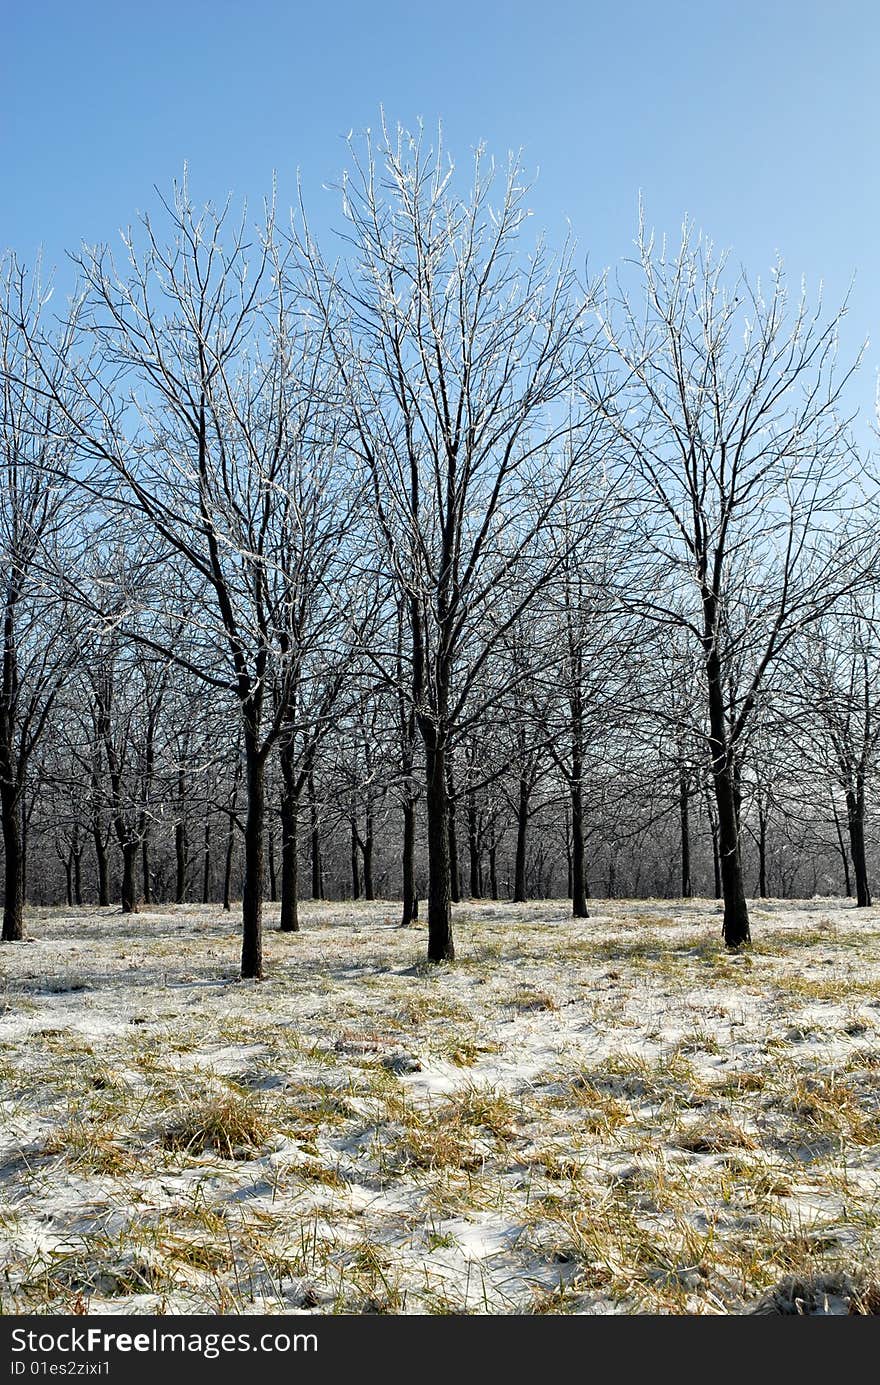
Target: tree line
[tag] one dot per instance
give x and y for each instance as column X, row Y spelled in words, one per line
column 430, row 568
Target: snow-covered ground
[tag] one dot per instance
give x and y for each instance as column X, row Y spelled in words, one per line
column 602, row 1116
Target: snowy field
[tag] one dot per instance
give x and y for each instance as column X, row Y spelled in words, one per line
column 608, row 1115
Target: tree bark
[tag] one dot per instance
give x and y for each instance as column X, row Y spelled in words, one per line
column 289, row 844
column 129, row 900
column 855, row 820
column 13, row 878
column 474, row 862
column 273, row 883
column 355, row 861
column 410, row 898
column 146, row 869
column 522, row 827
column 493, row 864
column 454, row 878
column 77, row 875
column 317, row 871
column 843, row 852
column 440, row 944
column 687, row 888
column 206, row 863
column 762, row 852
column 367, row 854
column 102, row 864
column 180, row 841
column 227, row 868
column 736, row 930
column 578, row 874
column 252, row 893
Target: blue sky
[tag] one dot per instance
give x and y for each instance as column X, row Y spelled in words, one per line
column 759, row 118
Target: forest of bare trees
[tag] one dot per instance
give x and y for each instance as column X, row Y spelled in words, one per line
column 419, row 566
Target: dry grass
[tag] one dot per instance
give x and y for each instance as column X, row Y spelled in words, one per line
column 610, row 1116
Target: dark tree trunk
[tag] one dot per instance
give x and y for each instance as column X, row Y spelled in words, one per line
column 146, row 869
column 77, row 876
column 493, row 866
column 273, row 883
column 355, row 861
column 716, row 859
column 252, row 893
column 180, row 841
column 25, row 841
column 317, row 871
column 522, row 827
column 13, row 878
column 227, row 867
column 578, row 874
column 474, row 862
column 129, row 900
column 855, row 821
column 289, row 844
column 102, row 863
column 684, row 800
column 367, row 853
column 736, row 915
column 454, row 878
column 762, row 852
column 440, row 943
column 206, row 863
column 289, row 868
column 230, row 840
column 844, row 856
column 68, row 878
column 410, row 898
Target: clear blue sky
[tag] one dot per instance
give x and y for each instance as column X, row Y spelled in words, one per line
column 757, row 117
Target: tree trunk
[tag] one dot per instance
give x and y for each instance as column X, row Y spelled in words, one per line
column 410, row 898
column 289, row 869
column 716, row 860
column 762, row 852
column 68, row 878
column 687, row 888
column 252, row 894
column 843, row 852
column 129, row 900
column 440, row 943
column 493, row 866
column 317, row 872
column 736, row 930
column 227, row 867
column 180, row 842
column 289, row 845
column 77, row 875
column 522, row 827
column 578, row 875
column 102, row 863
column 206, row 863
column 273, row 883
column 367, row 853
column 855, row 819
column 474, row 863
column 355, row 862
column 454, row 879
column 146, row 870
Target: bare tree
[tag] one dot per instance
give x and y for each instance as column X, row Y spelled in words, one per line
column 737, row 457
column 458, row 354
column 36, row 454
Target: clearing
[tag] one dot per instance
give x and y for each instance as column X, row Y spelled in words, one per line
column 609, row 1115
